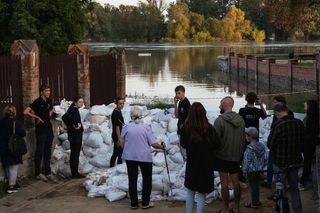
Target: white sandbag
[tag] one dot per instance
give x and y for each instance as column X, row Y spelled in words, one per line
column 157, row 196
column 155, row 111
column 100, row 161
column 157, row 170
column 83, row 114
column 94, row 140
column 88, row 151
column 173, row 125
column 107, row 139
column 99, row 110
column 121, row 169
column 177, row 158
column 212, row 197
column 57, row 153
column 147, row 120
column 84, row 166
column 113, row 194
column 158, row 160
column 63, row 136
column 173, row 138
column 173, row 149
column 157, row 129
column 179, row 194
column 94, row 127
column 66, row 145
column 96, row 119
column 97, row 191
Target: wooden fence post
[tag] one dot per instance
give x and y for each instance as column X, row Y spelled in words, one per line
column 269, row 62
column 28, row 51
column 247, row 72
column 291, row 62
column 81, row 51
column 257, row 59
column 120, row 56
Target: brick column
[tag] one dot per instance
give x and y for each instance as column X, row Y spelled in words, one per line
column 81, row 51
column 269, row 62
column 231, row 54
column 29, row 53
column 120, row 56
column 317, row 67
column 257, row 59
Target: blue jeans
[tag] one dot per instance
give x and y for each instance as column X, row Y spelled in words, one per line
column 201, row 198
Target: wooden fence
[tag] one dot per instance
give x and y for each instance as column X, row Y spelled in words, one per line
column 10, row 84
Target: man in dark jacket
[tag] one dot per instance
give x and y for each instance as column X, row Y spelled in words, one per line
column 285, row 143
column 230, row 129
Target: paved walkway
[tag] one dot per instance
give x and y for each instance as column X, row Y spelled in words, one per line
column 70, row 197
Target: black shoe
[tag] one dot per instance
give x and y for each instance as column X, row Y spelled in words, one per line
column 17, row 186
column 12, row 189
column 78, row 176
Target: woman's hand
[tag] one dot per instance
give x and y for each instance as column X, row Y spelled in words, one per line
column 39, row 120
column 78, row 127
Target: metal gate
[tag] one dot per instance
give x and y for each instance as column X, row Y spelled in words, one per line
column 10, row 84
column 60, row 73
column 102, row 79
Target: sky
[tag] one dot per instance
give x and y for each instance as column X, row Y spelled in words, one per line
column 125, row 2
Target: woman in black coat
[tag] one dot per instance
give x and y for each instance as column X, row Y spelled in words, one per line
column 199, row 139
column 10, row 162
column 311, row 123
column 75, row 132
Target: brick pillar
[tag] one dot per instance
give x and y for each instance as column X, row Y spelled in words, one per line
column 247, row 72
column 29, row 53
column 317, row 67
column 120, row 56
column 231, row 54
column 291, row 62
column 269, row 62
column 81, row 51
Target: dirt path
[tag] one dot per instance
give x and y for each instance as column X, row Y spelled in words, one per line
column 70, row 197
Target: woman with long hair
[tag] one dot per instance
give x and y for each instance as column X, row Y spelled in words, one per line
column 311, row 122
column 75, row 131
column 199, row 139
column 9, row 160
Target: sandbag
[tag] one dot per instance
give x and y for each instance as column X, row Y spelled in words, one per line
column 88, row 151
column 173, row 125
column 66, row 145
column 63, row 136
column 97, row 191
column 94, row 140
column 177, row 158
column 83, row 114
column 96, row 119
column 100, row 161
column 157, row 129
column 174, row 138
column 113, row 194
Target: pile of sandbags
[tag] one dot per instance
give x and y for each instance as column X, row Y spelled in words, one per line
column 112, row 183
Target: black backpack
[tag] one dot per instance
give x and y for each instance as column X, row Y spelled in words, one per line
column 17, row 144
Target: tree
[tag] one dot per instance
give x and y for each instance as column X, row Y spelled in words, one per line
column 197, row 23
column 178, row 21
column 54, row 24
column 309, row 21
column 255, row 12
column 213, row 25
column 257, row 35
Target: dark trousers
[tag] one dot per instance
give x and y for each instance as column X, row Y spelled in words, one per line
column 116, row 155
column 75, row 147
column 270, row 169
column 43, row 151
column 308, row 155
column 253, row 180
column 146, row 171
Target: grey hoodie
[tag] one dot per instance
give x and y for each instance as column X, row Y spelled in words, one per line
column 254, row 159
column 230, row 128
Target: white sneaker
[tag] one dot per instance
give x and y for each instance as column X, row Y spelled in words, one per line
column 42, row 178
column 151, row 205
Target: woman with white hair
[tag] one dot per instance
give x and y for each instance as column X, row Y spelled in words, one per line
column 138, row 139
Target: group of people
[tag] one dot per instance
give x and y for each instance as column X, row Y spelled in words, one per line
column 231, row 146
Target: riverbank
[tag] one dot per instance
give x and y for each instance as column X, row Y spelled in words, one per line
column 70, row 197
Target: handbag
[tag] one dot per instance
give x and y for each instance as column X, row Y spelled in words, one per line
column 17, row 144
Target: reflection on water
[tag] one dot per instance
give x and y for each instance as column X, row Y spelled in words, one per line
column 194, row 66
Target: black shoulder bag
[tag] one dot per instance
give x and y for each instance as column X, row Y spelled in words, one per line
column 17, row 144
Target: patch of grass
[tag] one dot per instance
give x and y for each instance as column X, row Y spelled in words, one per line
column 296, row 102
column 159, row 105
column 306, row 64
column 154, row 105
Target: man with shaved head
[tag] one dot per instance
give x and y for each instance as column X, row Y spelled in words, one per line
column 230, row 128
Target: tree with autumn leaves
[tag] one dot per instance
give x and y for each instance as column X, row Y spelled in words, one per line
column 185, row 25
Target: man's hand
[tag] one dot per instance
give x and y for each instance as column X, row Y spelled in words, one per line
column 175, row 100
column 39, row 120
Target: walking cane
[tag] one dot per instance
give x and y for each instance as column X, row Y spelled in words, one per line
column 168, row 172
